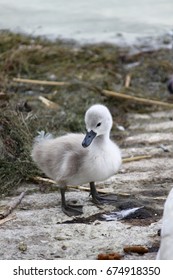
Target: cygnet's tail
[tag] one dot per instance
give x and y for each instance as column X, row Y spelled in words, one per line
column 42, row 135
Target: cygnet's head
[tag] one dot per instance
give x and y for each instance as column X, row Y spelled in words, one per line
column 98, row 122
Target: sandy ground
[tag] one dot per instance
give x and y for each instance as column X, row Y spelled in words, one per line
column 39, row 229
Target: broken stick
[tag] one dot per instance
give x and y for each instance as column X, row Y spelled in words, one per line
column 12, row 206
column 127, row 81
column 3, row 221
column 83, row 188
column 135, row 98
column 124, row 160
column 52, row 182
column 39, row 82
column 48, row 103
column 135, row 158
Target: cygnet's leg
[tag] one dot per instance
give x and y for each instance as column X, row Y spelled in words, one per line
column 70, row 210
column 104, row 198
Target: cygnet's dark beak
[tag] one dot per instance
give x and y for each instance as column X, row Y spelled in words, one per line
column 88, row 138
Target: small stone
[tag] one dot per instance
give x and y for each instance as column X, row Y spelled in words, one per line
column 22, row 246
column 64, row 247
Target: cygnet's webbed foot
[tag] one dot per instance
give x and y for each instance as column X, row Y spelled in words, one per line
column 72, row 210
column 104, row 198
column 100, row 199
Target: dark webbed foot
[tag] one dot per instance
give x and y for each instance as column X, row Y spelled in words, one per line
column 100, row 199
column 70, row 210
column 104, row 198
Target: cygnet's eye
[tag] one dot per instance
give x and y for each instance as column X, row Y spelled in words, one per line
column 99, row 124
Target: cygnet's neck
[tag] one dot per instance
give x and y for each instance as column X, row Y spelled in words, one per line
column 102, row 139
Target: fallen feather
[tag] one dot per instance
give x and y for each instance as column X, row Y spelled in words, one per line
column 164, row 148
column 120, row 127
column 115, row 216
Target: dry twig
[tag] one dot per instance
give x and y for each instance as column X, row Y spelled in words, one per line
column 12, row 206
column 127, row 81
column 3, row 221
column 134, row 98
column 136, row 158
column 48, row 103
column 38, row 82
column 82, row 188
column 46, row 180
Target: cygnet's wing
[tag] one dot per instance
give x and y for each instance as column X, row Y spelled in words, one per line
column 60, row 158
column 73, row 158
column 166, row 246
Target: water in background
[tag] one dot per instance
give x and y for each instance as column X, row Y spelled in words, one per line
column 89, row 21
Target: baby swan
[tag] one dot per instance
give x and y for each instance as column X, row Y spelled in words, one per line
column 75, row 159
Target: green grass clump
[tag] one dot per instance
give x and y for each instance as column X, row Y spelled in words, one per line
column 15, row 147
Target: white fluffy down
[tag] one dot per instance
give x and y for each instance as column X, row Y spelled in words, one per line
column 65, row 160
column 166, row 246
